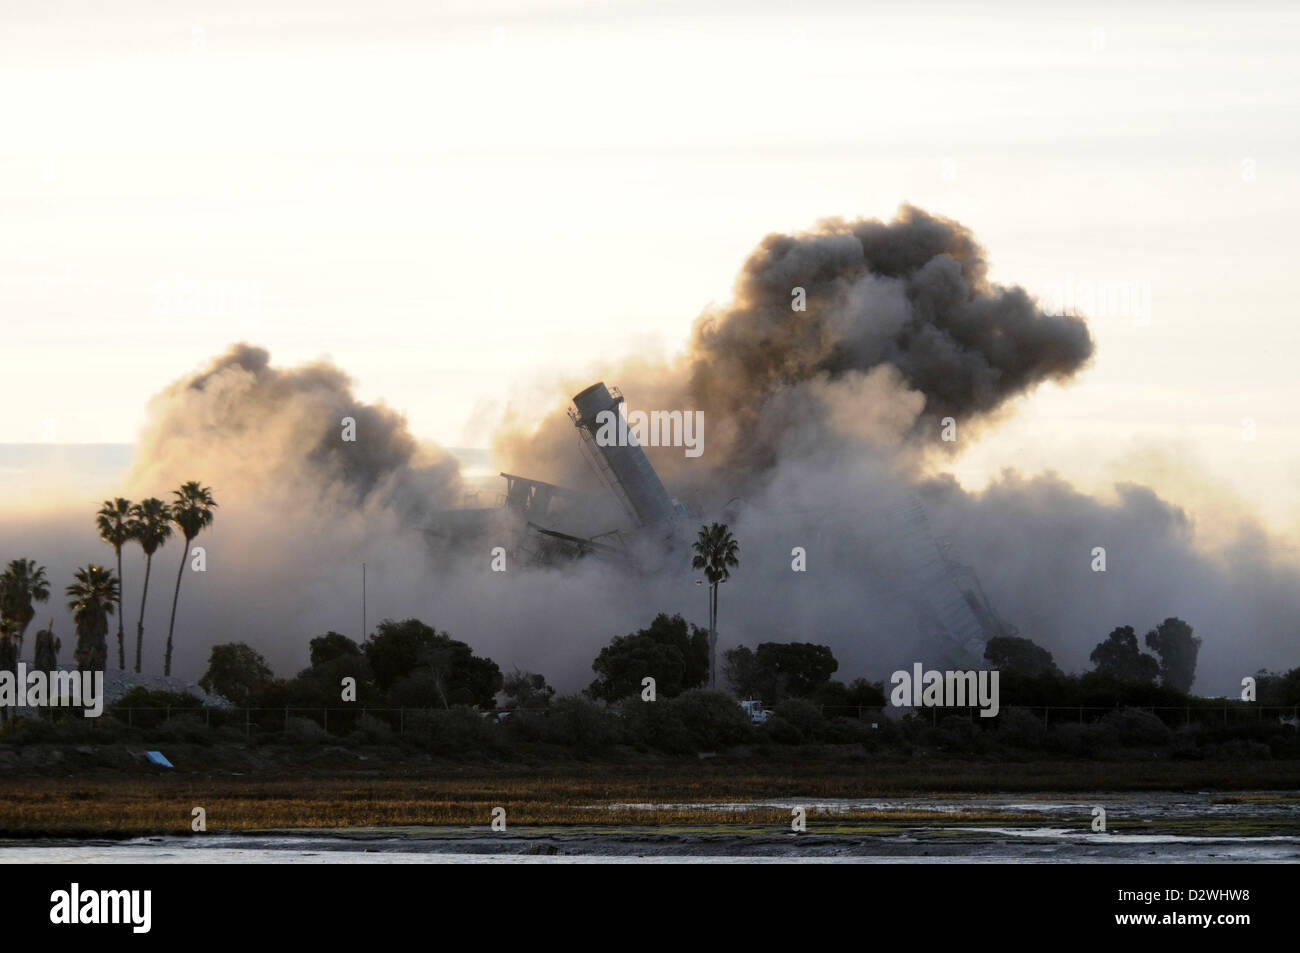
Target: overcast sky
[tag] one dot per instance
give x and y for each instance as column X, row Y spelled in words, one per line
column 460, row 202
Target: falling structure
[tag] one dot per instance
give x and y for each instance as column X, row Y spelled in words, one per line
column 550, row 524
column 620, row 463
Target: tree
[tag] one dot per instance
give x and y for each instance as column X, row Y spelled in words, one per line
column 330, row 646
column 669, row 650
column 1178, row 649
column 116, row 527
column 716, row 552
column 334, row 657
column 1120, row 657
column 191, row 511
column 781, row 670
column 740, row 668
column 152, row 526
column 1278, row 688
column 1010, row 653
column 235, row 672
column 424, row 666
column 840, row 699
column 22, row 584
column 793, row 669
column 8, row 656
column 91, row 600
column 527, row 690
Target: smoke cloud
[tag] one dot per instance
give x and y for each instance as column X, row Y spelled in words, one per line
column 821, row 426
column 855, row 331
column 279, row 434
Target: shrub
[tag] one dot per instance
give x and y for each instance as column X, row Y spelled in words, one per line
column 304, row 731
column 580, row 724
column 461, row 729
column 712, row 719
column 804, row 716
column 372, row 730
column 186, row 729
column 656, row 725
column 1018, row 728
column 1137, row 727
column 779, row 731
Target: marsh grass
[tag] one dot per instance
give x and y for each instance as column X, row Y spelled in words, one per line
column 588, row 797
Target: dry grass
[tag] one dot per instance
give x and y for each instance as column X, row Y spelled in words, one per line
column 162, row 803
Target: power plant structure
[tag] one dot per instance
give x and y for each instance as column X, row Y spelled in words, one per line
column 646, row 530
column 621, row 464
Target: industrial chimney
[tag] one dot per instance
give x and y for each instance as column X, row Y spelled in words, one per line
column 623, row 467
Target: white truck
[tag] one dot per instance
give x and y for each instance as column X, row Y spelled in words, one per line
column 755, row 710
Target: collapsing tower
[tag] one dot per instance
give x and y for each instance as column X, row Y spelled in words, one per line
column 621, row 463
column 953, row 614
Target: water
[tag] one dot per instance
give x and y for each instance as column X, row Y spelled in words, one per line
column 1141, row 828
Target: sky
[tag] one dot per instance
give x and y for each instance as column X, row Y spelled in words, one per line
column 460, row 203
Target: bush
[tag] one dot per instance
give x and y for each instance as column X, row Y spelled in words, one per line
column 958, row 733
column 152, row 708
column 656, row 725
column 372, row 730
column 461, row 729
column 1137, row 727
column 580, row 724
column 1084, row 741
column 804, row 716
column 779, row 731
column 304, row 731
column 184, row 729
column 1018, row 728
column 712, row 719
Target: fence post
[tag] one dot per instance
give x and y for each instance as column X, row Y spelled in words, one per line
column 325, row 719
column 401, row 722
column 207, row 717
column 286, row 717
column 248, row 724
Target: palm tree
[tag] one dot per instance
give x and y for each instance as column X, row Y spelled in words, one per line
column 116, row 527
column 715, row 552
column 192, row 513
column 91, row 600
column 153, row 527
column 22, row 584
column 8, row 656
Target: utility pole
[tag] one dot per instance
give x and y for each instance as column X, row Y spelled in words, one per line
column 363, row 602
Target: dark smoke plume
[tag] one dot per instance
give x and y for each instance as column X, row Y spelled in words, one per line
column 901, row 329
column 912, row 295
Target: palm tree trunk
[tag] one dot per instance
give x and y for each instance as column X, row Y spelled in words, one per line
column 713, row 638
column 144, row 596
column 167, row 658
column 121, row 639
